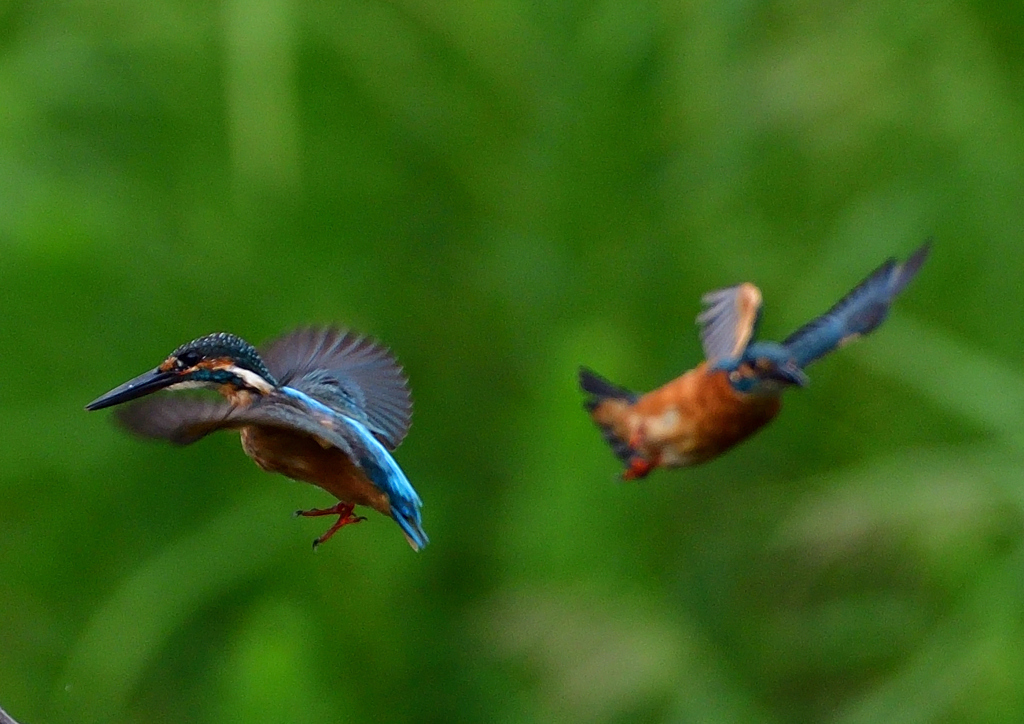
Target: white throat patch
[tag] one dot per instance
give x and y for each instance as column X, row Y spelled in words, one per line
column 252, row 379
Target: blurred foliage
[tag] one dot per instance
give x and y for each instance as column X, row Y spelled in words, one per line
column 503, row 190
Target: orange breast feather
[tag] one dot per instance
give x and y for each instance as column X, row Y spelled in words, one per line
column 694, row 418
column 301, row 457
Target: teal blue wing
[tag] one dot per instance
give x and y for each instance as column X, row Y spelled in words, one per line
column 856, row 314
column 352, row 373
column 729, row 321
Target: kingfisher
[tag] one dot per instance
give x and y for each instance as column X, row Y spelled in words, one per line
column 326, row 406
column 738, row 388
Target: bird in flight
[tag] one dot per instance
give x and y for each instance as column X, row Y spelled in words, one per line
column 738, row 389
column 325, row 406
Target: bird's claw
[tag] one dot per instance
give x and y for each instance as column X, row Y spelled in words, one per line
column 339, row 509
column 345, row 517
column 334, row 529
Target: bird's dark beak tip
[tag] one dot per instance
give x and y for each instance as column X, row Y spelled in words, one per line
column 99, row 403
column 140, row 386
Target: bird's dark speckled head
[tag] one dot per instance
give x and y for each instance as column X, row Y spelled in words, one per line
column 765, row 368
column 218, row 346
column 218, row 360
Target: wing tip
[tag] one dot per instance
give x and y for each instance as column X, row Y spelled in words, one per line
column 176, row 419
column 870, row 300
column 729, row 319
column 914, row 262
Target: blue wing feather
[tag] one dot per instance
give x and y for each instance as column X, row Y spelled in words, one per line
column 856, row 314
column 375, row 460
column 382, row 469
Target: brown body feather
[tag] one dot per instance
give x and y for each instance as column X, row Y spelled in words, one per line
column 301, row 457
column 687, row 421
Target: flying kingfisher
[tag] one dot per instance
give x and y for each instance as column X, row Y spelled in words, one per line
column 738, row 389
column 325, row 406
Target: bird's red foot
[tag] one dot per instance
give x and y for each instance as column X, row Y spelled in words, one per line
column 345, row 517
column 638, row 468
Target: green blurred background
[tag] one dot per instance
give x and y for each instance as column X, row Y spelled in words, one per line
column 502, row 190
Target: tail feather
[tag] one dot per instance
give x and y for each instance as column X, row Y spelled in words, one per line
column 363, row 446
column 409, row 521
column 606, row 404
column 601, row 389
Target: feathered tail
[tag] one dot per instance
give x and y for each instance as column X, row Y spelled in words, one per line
column 373, row 457
column 382, row 469
column 607, row 405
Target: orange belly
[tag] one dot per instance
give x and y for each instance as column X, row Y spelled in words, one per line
column 301, row 457
column 689, row 420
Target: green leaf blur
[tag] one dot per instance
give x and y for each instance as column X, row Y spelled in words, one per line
column 501, row 191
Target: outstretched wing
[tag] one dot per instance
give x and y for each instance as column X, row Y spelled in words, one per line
column 729, row 321
column 180, row 419
column 356, row 373
column 183, row 420
column 856, row 314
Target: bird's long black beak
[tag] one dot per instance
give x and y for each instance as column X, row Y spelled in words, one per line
column 144, row 384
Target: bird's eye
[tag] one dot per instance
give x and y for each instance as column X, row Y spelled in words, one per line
column 188, row 359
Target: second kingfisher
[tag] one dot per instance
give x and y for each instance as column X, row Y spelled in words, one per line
column 325, row 406
column 738, row 389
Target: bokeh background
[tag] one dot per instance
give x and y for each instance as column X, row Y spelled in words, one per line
column 503, row 190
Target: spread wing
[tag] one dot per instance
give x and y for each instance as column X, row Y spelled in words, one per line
column 356, row 374
column 729, row 320
column 184, row 419
column 856, row 314
column 179, row 418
